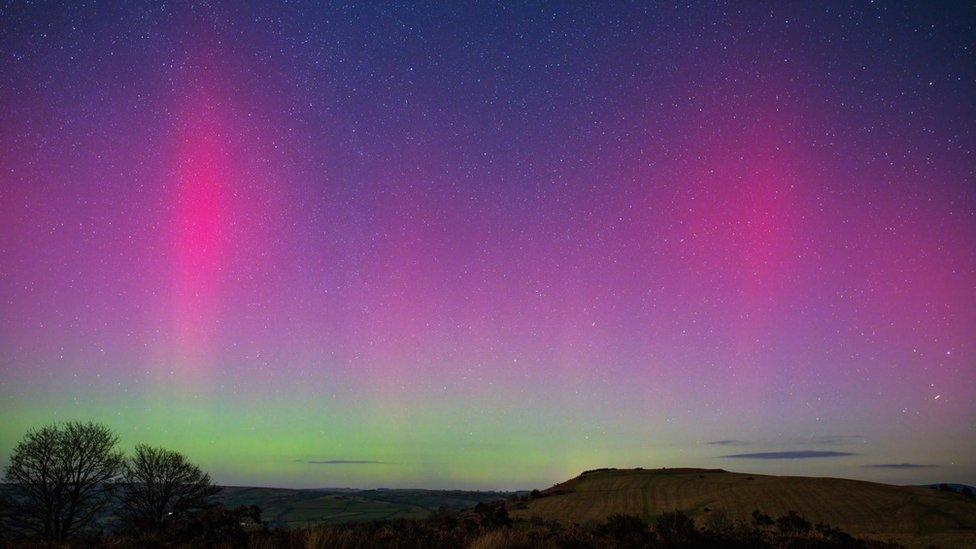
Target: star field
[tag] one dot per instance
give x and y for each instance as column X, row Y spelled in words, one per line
column 493, row 245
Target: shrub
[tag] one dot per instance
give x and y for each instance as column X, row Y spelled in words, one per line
column 675, row 528
column 792, row 524
column 625, row 530
column 718, row 521
column 760, row 519
column 492, row 515
column 837, row 537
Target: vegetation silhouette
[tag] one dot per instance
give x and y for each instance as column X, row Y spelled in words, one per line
column 161, row 490
column 63, row 477
column 69, row 484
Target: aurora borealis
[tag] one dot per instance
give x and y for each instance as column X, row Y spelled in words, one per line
column 493, row 245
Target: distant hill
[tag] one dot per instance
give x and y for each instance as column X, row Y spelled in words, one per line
column 295, row 508
column 960, row 488
column 913, row 516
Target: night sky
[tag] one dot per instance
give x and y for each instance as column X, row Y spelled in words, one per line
column 493, row 245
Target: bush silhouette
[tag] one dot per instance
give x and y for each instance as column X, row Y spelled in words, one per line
column 837, row 537
column 718, row 521
column 792, row 524
column 492, row 515
column 675, row 528
column 625, row 530
column 760, row 519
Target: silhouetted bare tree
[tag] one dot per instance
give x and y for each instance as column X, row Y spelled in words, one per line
column 62, row 477
column 160, row 489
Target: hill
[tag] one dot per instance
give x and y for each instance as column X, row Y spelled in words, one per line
column 295, row 508
column 913, row 516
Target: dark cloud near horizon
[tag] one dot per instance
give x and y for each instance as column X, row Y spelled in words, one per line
column 728, row 442
column 797, row 454
column 901, row 465
column 341, row 462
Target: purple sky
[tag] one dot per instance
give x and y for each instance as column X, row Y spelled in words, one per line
column 491, row 246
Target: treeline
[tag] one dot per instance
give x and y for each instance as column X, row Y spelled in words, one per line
column 70, row 485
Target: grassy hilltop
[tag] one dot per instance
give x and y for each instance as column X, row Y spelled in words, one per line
column 908, row 515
